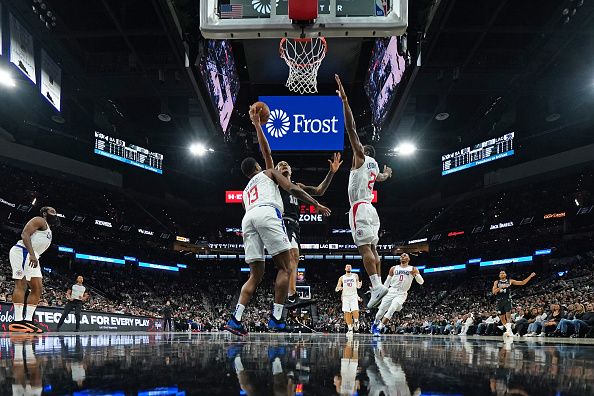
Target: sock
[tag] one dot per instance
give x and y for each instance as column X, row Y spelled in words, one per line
column 375, row 281
column 277, row 311
column 239, row 312
column 350, row 327
column 277, row 366
column 18, row 353
column 381, row 325
column 30, row 311
column 508, row 327
column 356, row 321
column 238, row 365
column 18, row 311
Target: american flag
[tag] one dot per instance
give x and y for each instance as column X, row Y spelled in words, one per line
column 231, row 11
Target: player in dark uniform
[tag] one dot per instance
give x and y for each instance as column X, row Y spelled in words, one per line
column 502, row 291
column 291, row 204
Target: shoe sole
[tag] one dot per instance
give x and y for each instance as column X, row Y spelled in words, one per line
column 21, row 329
column 299, row 304
column 378, row 301
column 234, row 331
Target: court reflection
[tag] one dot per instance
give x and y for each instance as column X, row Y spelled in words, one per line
column 219, row 364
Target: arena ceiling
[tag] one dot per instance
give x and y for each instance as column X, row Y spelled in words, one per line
column 493, row 66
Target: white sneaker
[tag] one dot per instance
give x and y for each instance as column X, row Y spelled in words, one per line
column 508, row 334
column 349, row 333
column 356, row 326
column 542, row 334
column 377, row 293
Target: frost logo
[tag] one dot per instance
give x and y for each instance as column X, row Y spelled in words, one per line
column 278, row 124
column 263, row 6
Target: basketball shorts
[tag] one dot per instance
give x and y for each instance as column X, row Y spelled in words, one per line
column 263, row 228
column 392, row 296
column 364, row 223
column 19, row 261
column 348, row 376
column 350, row 303
column 293, row 232
column 504, row 306
column 26, row 390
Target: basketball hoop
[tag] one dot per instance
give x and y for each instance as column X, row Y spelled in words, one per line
column 303, row 56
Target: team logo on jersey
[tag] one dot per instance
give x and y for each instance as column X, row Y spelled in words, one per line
column 359, row 233
column 19, row 273
column 278, row 124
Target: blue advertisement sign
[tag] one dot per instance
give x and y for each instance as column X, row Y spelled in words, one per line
column 312, row 123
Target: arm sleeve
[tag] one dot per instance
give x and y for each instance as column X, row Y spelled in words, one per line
column 388, row 280
column 419, row 279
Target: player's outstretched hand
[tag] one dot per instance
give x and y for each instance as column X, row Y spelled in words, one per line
column 33, row 262
column 323, row 210
column 415, row 271
column 532, row 275
column 387, row 171
column 340, row 90
column 255, row 115
column 335, row 163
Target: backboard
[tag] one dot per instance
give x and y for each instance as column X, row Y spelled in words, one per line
column 253, row 19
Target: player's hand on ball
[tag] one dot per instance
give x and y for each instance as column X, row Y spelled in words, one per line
column 323, row 210
column 255, row 115
column 335, row 163
column 340, row 90
column 33, row 262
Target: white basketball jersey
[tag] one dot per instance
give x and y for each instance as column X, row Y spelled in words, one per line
column 40, row 241
column 402, row 278
column 349, row 285
column 262, row 190
column 361, row 181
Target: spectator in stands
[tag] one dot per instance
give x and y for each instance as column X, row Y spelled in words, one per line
column 553, row 319
column 537, row 326
column 167, row 313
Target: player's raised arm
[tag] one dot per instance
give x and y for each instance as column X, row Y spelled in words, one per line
column 262, row 141
column 296, row 191
column 385, row 175
column 339, row 285
column 417, row 274
column 320, row 190
column 351, row 128
column 522, row 283
column 359, row 283
column 389, row 277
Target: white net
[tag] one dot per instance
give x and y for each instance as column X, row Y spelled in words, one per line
column 303, row 56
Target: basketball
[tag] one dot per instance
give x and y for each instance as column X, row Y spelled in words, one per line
column 264, row 111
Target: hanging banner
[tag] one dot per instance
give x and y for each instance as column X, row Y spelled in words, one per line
column 22, row 54
column 51, row 80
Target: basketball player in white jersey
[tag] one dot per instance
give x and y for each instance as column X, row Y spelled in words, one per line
column 399, row 281
column 26, row 271
column 263, row 227
column 348, row 284
column 347, row 384
column 363, row 218
column 291, row 203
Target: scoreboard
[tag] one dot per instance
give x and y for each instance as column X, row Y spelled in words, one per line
column 119, row 150
column 478, row 154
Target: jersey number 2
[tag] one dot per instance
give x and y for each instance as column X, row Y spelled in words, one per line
column 370, row 182
column 253, row 194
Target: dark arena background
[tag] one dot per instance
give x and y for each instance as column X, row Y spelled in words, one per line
column 123, row 128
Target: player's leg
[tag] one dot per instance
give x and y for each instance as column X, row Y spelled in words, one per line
column 395, row 306
column 372, row 263
column 508, row 323
column 18, row 261
column 378, row 261
column 248, row 289
column 281, row 286
column 356, row 319
column 348, row 318
column 36, row 288
column 292, row 294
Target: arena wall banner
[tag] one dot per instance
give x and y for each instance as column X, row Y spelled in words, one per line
column 48, row 317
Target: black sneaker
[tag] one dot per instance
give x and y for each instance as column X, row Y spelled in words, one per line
column 295, row 301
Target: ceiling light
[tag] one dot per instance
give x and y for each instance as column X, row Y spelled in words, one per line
column 199, row 149
column 405, row 148
column 442, row 116
column 6, row 79
column 552, row 117
column 577, row 203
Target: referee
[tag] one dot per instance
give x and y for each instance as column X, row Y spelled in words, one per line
column 76, row 296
